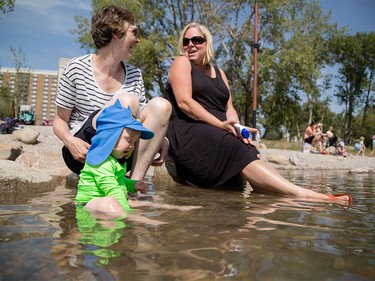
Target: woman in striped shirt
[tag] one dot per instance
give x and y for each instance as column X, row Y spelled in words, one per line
column 92, row 82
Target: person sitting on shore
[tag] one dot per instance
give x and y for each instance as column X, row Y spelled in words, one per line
column 320, row 137
column 331, row 138
column 204, row 144
column 341, row 149
column 102, row 186
column 310, row 135
column 94, row 81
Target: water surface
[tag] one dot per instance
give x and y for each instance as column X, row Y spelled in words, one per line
column 209, row 235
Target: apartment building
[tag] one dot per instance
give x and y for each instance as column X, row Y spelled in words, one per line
column 39, row 92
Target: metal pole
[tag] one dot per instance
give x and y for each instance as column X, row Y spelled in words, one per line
column 255, row 48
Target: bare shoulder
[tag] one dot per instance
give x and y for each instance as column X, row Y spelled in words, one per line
column 180, row 64
column 181, row 60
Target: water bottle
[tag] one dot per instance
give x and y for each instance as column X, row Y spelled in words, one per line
column 242, row 131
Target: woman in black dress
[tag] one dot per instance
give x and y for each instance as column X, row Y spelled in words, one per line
column 204, row 144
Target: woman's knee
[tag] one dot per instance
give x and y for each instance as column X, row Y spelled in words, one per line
column 128, row 99
column 161, row 105
column 157, row 107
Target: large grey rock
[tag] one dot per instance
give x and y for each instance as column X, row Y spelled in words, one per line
column 50, row 163
column 26, row 135
column 15, row 177
column 278, row 159
column 295, row 160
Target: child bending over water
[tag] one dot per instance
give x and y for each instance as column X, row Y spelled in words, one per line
column 102, row 186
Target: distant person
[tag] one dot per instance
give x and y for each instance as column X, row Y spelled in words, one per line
column 341, row 149
column 310, row 136
column 102, row 186
column 94, row 81
column 362, row 147
column 373, row 145
column 320, row 137
column 331, row 138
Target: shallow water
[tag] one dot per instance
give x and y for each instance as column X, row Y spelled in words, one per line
column 234, row 235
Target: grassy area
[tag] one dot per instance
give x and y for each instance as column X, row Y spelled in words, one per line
column 280, row 144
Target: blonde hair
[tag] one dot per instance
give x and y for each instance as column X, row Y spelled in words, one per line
column 206, row 35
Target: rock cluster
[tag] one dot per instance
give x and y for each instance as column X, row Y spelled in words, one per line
column 30, row 159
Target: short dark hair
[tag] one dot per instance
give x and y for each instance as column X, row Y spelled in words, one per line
column 109, row 21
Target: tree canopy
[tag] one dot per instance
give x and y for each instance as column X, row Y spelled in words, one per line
column 297, row 43
column 6, row 6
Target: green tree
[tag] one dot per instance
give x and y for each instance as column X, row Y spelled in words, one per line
column 369, row 87
column 293, row 32
column 354, row 55
column 368, row 130
column 13, row 94
column 160, row 23
column 6, row 6
column 21, row 81
column 298, row 55
column 6, row 98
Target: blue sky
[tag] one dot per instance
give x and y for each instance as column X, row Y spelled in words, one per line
column 41, row 27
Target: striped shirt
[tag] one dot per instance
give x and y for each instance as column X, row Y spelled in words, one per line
column 79, row 92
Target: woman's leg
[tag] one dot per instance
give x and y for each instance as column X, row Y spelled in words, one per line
column 263, row 177
column 155, row 117
column 126, row 99
column 107, row 208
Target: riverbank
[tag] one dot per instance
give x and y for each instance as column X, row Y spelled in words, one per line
column 45, row 157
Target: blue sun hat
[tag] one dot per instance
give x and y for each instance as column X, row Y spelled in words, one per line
column 109, row 125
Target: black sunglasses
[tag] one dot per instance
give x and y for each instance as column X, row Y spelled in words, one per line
column 196, row 40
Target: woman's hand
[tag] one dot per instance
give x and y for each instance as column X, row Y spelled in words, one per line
column 229, row 126
column 163, row 152
column 249, row 140
column 78, row 148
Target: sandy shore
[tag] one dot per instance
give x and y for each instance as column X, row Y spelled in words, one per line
column 312, row 161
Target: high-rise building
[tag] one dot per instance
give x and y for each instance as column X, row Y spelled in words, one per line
column 39, row 92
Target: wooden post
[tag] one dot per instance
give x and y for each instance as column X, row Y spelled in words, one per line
column 255, row 49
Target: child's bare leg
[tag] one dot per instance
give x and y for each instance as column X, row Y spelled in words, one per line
column 107, row 208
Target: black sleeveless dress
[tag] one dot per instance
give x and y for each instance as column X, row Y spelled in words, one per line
column 205, row 155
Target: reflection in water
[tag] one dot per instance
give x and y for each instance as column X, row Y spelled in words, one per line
column 208, row 235
column 90, row 239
